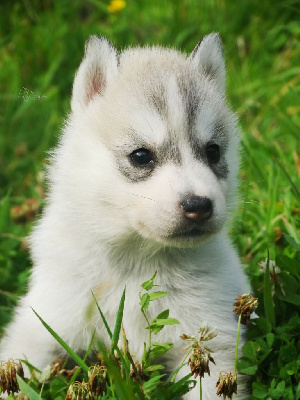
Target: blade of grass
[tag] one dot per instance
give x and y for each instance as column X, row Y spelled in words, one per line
column 123, row 389
column 26, row 389
column 294, row 187
column 68, row 349
column 268, row 300
column 103, row 317
column 117, row 330
column 84, row 359
column 116, row 347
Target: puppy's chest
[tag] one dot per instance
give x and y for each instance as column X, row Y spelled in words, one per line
column 192, row 304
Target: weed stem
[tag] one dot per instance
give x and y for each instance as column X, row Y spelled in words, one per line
column 237, row 344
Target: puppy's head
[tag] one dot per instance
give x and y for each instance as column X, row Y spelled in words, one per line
column 151, row 143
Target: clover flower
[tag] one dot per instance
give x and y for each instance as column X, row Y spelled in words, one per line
column 274, row 270
column 8, row 376
column 199, row 361
column 201, row 354
column 78, row 391
column 245, row 305
column 226, row 385
column 136, row 371
column 97, row 380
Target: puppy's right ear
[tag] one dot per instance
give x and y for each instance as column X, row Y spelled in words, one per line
column 97, row 69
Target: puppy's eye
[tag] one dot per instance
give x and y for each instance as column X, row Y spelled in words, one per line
column 213, row 153
column 141, row 157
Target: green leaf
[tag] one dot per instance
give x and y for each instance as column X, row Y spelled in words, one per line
column 116, row 334
column 68, row 349
column 149, row 284
column 152, row 383
column 260, row 391
column 270, row 339
column 263, row 325
column 250, row 351
column 288, row 352
column 58, row 385
column 4, row 212
column 268, row 300
column 289, row 283
column 246, row 366
column 287, row 264
column 262, row 345
column 153, row 368
column 159, row 349
column 181, row 387
column 26, row 389
column 157, row 295
column 158, row 323
column 166, row 321
column 292, row 242
column 145, row 300
column 289, row 297
column 292, row 368
column 156, row 328
column 277, row 392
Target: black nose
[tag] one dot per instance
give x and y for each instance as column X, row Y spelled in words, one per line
column 196, row 207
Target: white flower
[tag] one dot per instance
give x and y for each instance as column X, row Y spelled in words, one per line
column 274, row 270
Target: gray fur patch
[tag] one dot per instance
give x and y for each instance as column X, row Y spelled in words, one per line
column 157, row 99
column 167, row 152
column 193, row 99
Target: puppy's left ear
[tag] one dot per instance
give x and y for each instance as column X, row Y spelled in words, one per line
column 207, row 56
column 98, row 68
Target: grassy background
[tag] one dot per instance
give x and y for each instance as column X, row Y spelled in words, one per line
column 41, row 45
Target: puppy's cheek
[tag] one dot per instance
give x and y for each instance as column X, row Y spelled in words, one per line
column 154, row 220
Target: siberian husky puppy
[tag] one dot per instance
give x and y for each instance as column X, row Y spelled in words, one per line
column 143, row 180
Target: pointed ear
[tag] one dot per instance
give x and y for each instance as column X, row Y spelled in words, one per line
column 97, row 69
column 207, row 56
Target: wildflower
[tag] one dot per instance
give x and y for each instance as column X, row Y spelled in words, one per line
column 274, row 270
column 199, row 361
column 8, row 376
column 206, row 333
column 57, row 366
column 227, row 385
column 78, row 390
column 97, row 380
column 136, row 371
column 116, row 5
column 245, row 305
column 200, row 356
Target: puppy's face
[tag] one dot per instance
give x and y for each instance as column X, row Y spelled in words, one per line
column 168, row 141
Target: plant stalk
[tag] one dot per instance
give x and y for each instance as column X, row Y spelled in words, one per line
column 237, row 343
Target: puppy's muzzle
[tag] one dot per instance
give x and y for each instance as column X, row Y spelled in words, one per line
column 197, row 208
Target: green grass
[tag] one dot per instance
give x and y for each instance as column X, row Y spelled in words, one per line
column 41, row 45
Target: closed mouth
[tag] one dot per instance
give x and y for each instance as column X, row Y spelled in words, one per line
column 194, row 232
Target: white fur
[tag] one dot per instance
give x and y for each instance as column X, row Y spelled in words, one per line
column 100, row 231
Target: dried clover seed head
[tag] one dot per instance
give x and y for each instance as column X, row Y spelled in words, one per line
column 97, row 380
column 245, row 305
column 8, row 376
column 226, row 385
column 200, row 355
column 199, row 361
